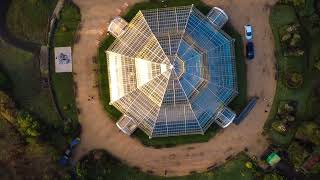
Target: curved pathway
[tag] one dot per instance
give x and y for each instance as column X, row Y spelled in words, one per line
column 100, row 132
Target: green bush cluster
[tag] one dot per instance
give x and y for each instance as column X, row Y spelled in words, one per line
column 22, row 120
column 297, row 154
column 291, row 40
column 296, row 3
column 29, row 19
column 4, row 82
column 27, row 125
column 309, row 131
column 293, row 79
column 317, row 65
column 8, row 110
column 285, row 117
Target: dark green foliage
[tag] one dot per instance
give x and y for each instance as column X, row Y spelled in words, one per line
column 29, row 19
column 280, row 19
column 272, row 176
column 62, row 83
column 98, row 164
column 279, row 126
column 163, row 142
column 296, row 3
column 8, row 110
column 26, row 125
column 309, row 131
column 317, row 65
column 5, row 84
column 23, row 70
column 292, row 44
column 293, row 80
column 297, row 154
column 67, row 26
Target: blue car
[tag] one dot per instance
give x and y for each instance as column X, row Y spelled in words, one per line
column 250, row 50
column 65, row 158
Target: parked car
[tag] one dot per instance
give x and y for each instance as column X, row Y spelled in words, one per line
column 65, row 158
column 248, row 32
column 250, row 50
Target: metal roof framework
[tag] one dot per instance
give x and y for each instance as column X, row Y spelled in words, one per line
column 172, row 72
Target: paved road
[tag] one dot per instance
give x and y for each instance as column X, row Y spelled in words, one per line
column 100, row 132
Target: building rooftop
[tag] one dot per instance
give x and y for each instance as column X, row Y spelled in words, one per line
column 172, row 71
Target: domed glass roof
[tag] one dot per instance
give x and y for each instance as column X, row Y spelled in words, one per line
column 172, row 71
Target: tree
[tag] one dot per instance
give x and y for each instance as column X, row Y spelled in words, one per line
column 272, row 177
column 8, row 110
column 309, row 131
column 296, row 3
column 297, row 154
column 294, row 79
column 26, row 125
column 317, row 65
column 279, row 126
column 4, row 82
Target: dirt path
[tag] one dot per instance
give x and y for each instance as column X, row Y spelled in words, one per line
column 101, row 132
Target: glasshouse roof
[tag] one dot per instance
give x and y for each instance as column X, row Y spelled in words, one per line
column 172, row 71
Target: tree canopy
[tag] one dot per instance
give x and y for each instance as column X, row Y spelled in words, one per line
column 7, row 108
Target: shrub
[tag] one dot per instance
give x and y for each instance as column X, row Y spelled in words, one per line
column 296, row 3
column 315, row 22
column 292, row 44
column 297, row 154
column 309, row 131
column 272, row 177
column 317, row 65
column 293, row 80
column 249, row 165
column 286, row 37
column 27, row 126
column 279, row 126
column 7, row 108
column 4, row 82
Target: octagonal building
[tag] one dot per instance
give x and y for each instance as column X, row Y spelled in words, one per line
column 172, row 71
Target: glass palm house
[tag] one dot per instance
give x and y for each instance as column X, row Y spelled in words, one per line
column 172, row 71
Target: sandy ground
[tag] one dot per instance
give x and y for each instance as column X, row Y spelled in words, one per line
column 100, row 132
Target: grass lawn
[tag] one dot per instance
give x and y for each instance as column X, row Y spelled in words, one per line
column 237, row 104
column 29, row 19
column 108, row 167
column 23, row 71
column 282, row 15
column 62, row 83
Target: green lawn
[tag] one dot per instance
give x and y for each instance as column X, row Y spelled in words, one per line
column 110, row 168
column 23, row 71
column 282, row 15
column 29, row 19
column 237, row 104
column 62, row 83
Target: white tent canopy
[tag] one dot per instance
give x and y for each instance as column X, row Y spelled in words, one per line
column 63, row 59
